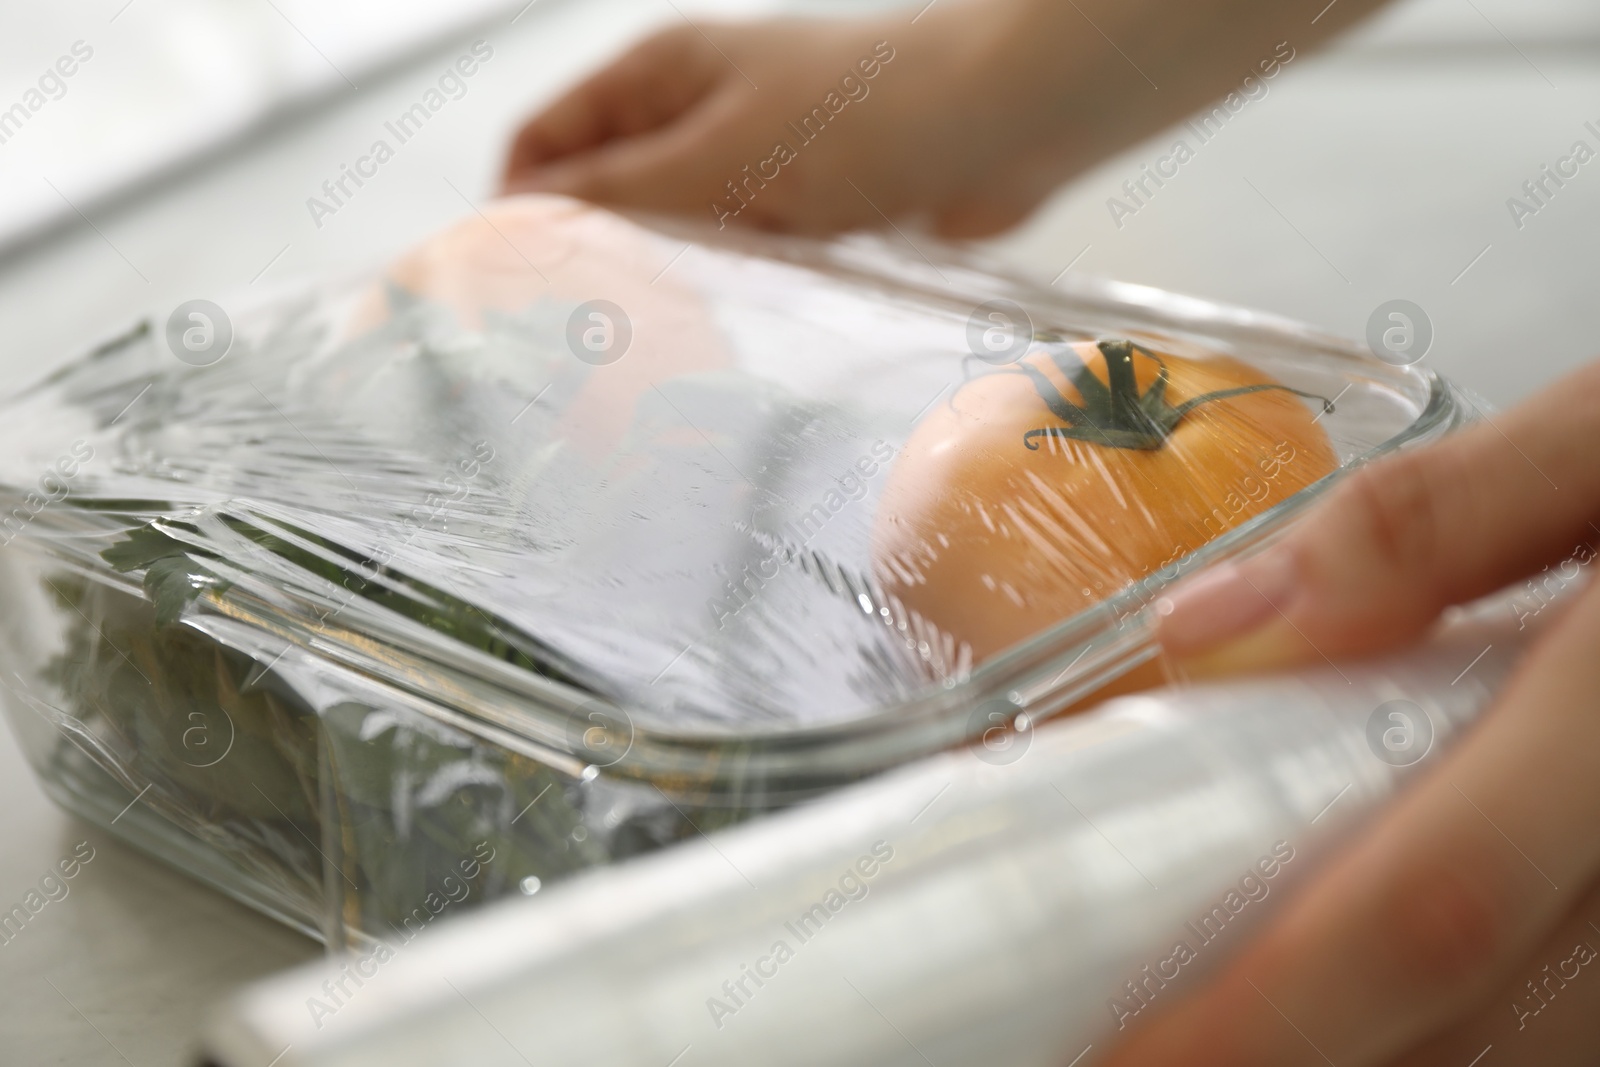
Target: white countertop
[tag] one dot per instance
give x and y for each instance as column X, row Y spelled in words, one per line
column 1376, row 172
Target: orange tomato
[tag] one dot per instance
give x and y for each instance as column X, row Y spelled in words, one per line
column 1046, row 486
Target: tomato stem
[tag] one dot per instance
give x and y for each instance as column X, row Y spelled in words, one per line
column 1114, row 413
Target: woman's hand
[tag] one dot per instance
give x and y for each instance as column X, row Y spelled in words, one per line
column 809, row 125
column 1469, row 916
column 963, row 115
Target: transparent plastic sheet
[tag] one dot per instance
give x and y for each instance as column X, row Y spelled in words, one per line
column 1029, row 905
column 571, row 536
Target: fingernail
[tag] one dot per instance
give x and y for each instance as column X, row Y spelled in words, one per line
column 1225, row 603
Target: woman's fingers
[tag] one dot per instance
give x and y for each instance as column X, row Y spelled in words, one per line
column 677, row 166
column 1438, row 905
column 981, row 216
column 1400, row 541
column 646, row 88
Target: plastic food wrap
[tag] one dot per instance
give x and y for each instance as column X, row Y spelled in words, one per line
column 958, row 911
column 570, row 536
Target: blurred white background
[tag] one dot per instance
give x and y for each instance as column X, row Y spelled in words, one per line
column 1383, row 168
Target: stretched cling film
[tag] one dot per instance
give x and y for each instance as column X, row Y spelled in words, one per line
column 574, row 535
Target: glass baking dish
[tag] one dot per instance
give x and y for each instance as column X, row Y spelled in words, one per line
column 560, row 541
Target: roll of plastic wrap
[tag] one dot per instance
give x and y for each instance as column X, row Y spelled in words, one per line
column 1019, row 903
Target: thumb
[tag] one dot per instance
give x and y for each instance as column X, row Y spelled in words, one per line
column 1375, row 564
